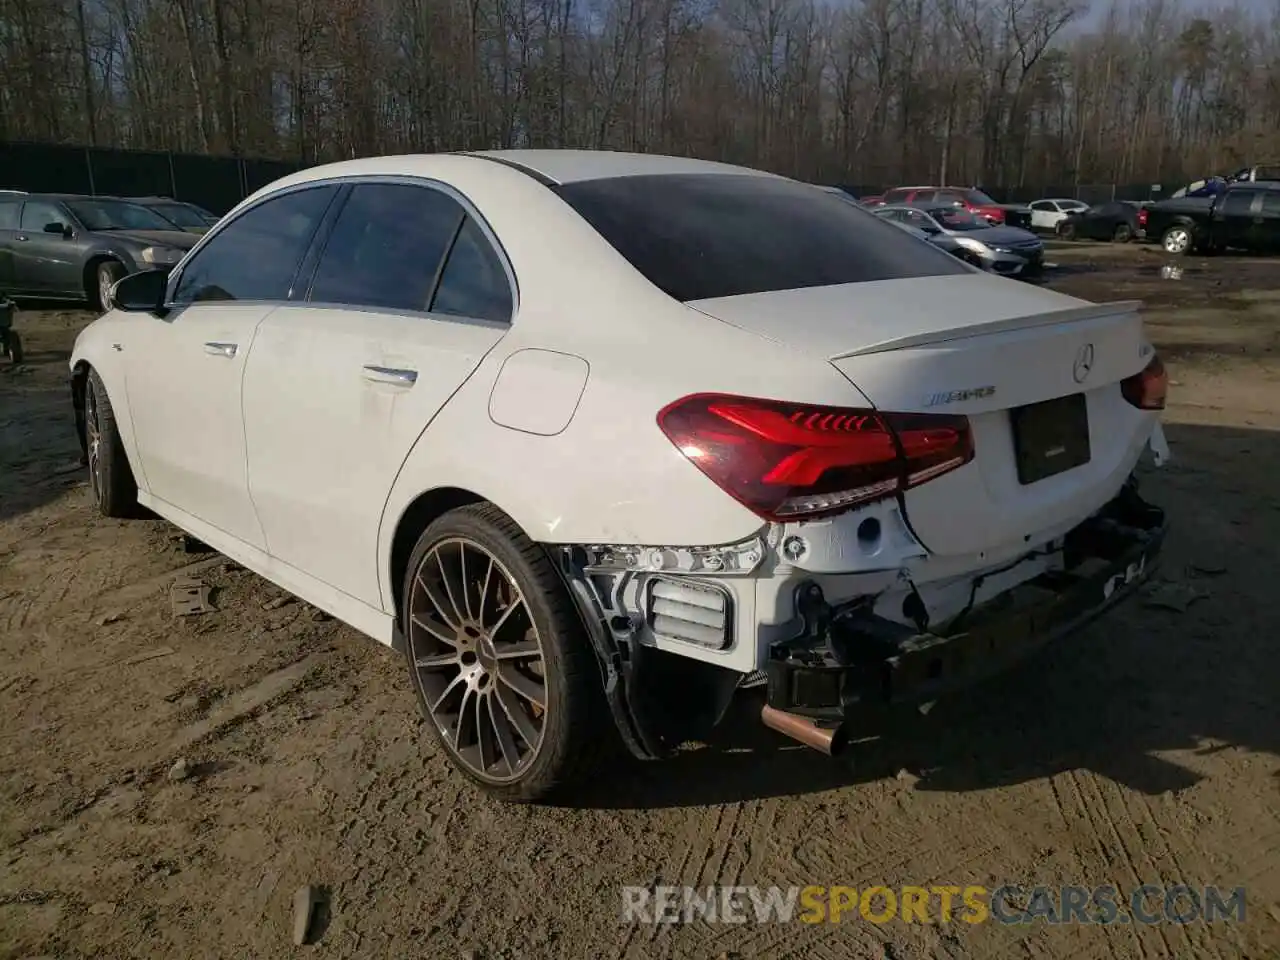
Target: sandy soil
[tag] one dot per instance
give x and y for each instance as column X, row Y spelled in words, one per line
column 1146, row 750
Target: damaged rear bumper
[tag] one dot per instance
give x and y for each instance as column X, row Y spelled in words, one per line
column 850, row 660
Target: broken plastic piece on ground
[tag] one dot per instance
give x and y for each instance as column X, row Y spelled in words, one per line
column 189, row 597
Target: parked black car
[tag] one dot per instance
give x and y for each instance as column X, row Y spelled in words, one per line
column 185, row 215
column 66, row 247
column 1117, row 220
column 1245, row 216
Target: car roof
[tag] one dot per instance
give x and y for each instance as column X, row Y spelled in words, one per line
column 553, row 167
column 59, row 197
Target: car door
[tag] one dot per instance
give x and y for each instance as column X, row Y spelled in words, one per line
column 408, row 295
column 10, row 213
column 47, row 263
column 1046, row 215
column 185, row 370
column 1233, row 218
column 1267, row 227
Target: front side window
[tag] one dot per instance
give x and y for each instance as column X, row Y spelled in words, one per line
column 256, row 256
column 918, row 220
column 117, row 215
column 37, row 214
column 702, row 236
column 386, row 247
column 958, row 220
column 473, row 283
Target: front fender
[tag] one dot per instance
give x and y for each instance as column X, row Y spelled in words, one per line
column 128, row 256
column 101, row 345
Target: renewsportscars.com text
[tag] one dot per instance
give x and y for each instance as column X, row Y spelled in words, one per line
column 1007, row 904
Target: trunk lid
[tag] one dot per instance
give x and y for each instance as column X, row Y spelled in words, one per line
column 983, row 347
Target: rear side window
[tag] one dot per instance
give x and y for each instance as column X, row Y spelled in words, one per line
column 256, row 256
column 473, row 283
column 896, row 195
column 701, row 236
column 9, row 215
column 38, row 214
column 1238, row 201
column 386, row 247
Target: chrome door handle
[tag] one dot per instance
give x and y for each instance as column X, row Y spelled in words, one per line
column 399, row 378
column 227, row 350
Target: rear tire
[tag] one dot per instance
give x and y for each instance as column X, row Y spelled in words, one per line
column 1123, row 233
column 1177, row 240
column 104, row 276
column 498, row 659
column 111, row 481
column 1067, row 231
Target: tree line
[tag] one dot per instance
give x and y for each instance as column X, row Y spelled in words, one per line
column 1006, row 92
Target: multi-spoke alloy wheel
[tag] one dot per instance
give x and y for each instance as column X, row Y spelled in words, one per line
column 115, row 493
column 498, row 657
column 479, row 658
column 93, row 441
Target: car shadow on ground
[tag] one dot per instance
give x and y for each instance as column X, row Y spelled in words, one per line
column 1115, row 699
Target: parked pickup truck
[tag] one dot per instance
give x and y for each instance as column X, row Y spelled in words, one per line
column 1245, row 216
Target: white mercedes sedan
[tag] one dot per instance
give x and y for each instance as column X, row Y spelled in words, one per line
column 596, row 437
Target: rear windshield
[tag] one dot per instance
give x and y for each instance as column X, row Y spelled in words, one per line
column 701, row 236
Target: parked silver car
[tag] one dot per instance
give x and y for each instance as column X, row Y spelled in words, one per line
column 1009, row 251
column 943, row 241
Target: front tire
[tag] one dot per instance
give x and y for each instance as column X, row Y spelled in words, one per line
column 498, row 659
column 1067, row 231
column 104, row 277
column 111, row 481
column 14, row 346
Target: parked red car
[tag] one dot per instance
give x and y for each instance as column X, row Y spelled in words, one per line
column 969, row 198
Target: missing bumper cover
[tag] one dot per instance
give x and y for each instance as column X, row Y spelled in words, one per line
column 856, row 660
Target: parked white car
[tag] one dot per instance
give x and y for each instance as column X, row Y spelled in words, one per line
column 595, row 436
column 1047, row 214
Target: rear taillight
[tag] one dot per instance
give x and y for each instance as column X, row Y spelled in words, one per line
column 1142, row 217
column 1147, row 390
column 786, row 461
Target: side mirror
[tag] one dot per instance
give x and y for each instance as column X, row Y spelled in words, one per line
column 62, row 229
column 141, row 292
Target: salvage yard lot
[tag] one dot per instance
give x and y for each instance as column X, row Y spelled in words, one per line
column 1146, row 750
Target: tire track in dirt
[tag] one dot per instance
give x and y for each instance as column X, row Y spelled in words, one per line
column 1153, row 837
column 1101, row 824
column 1115, row 811
column 1075, row 820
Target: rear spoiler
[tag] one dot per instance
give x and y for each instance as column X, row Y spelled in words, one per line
column 1091, row 311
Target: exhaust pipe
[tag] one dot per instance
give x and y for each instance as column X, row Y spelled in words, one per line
column 826, row 740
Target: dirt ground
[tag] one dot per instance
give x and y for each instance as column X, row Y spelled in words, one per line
column 1146, row 750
